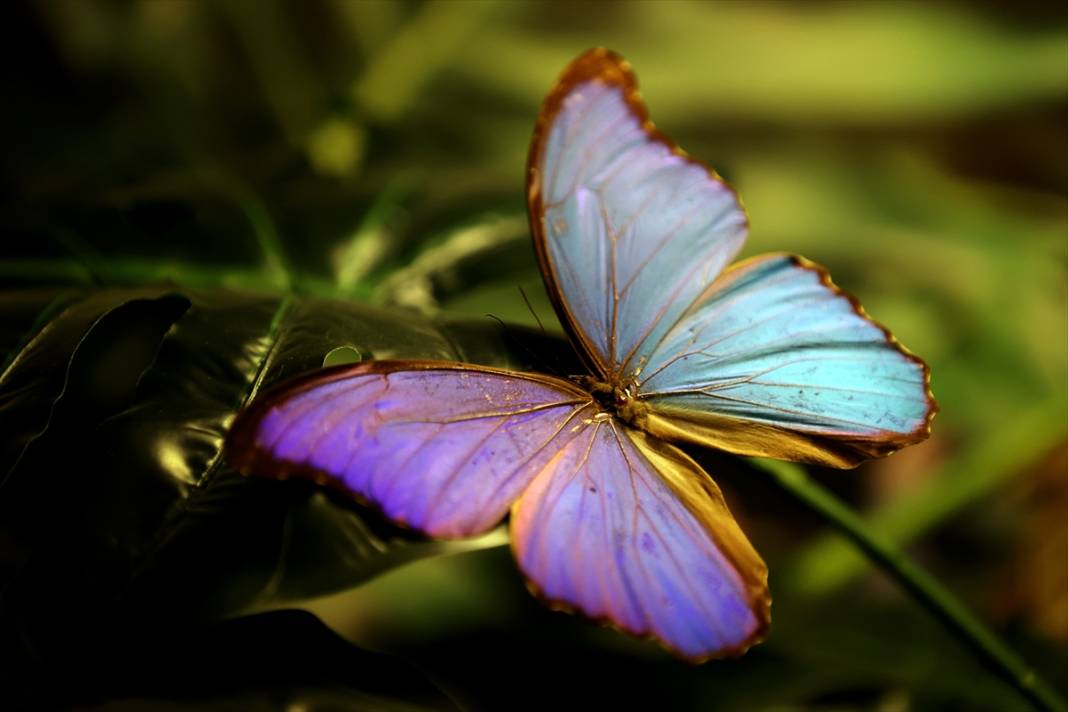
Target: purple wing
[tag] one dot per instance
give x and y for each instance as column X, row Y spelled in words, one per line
column 444, row 448
column 630, row 530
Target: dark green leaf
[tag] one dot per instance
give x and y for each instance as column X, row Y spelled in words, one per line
column 120, row 491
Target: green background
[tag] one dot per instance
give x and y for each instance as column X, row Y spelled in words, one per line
column 244, row 153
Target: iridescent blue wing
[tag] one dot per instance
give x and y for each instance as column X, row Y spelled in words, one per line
column 442, row 447
column 628, row 230
column 627, row 529
column 774, row 360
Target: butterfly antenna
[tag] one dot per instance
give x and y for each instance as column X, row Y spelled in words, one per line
column 530, row 307
column 534, row 357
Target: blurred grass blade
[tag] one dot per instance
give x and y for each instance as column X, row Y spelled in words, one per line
column 371, row 243
column 923, row 587
column 864, row 63
column 390, row 85
column 980, row 468
column 415, row 285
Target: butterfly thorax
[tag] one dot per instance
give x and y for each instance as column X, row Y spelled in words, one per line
column 620, row 400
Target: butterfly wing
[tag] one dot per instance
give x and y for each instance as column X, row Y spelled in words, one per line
column 774, row 360
column 615, row 524
column 627, row 229
column 442, row 447
column 630, row 530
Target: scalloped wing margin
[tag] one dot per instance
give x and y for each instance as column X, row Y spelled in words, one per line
column 444, row 448
column 631, row 532
column 775, row 361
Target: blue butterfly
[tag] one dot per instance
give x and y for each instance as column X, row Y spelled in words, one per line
column 765, row 358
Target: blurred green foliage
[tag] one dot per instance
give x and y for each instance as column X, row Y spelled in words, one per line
column 374, row 151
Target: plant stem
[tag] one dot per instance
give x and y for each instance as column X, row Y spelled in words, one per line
column 920, row 585
column 829, row 562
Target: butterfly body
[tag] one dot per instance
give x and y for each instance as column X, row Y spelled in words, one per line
column 617, row 400
column 608, row 517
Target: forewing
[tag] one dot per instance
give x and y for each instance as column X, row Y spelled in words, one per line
column 628, row 230
column 776, row 361
column 629, row 530
column 444, row 448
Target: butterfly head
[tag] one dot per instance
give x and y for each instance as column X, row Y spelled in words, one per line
column 617, row 399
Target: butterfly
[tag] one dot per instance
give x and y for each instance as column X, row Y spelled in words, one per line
column 608, row 517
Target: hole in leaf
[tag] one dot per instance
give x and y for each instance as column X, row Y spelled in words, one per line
column 344, row 354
